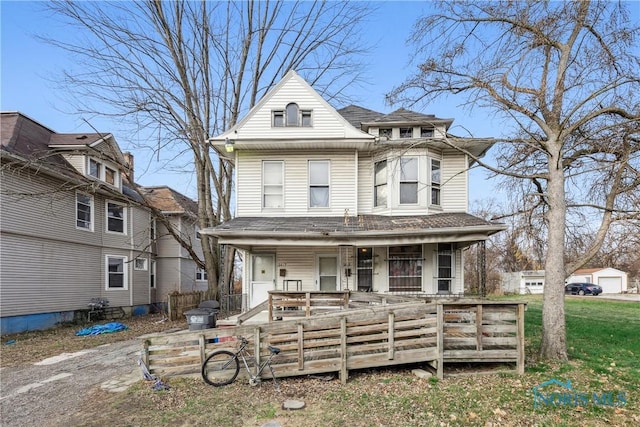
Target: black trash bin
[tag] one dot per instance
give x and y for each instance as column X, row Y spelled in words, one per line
column 201, row 318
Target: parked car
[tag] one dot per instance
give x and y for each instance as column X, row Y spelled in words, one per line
column 582, row 289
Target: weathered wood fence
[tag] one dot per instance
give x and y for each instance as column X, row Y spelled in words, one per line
column 179, row 302
column 344, row 339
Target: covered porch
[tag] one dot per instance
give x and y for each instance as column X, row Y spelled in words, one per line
column 401, row 255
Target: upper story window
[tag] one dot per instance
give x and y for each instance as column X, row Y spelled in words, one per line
column 201, row 275
column 198, row 235
column 435, row 181
column 426, row 132
column 318, row 183
column 273, row 184
column 385, row 132
column 380, row 184
column 94, row 168
column 103, row 172
column 408, row 180
column 292, row 116
column 140, row 264
column 116, row 218
column 84, row 211
column 406, row 132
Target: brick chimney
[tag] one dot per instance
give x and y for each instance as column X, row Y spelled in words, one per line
column 128, row 158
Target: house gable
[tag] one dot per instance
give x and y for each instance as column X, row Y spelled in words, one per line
column 257, row 130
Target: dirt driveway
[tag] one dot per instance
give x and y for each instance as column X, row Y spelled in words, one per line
column 49, row 392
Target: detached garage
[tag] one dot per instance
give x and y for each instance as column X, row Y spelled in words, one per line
column 611, row 280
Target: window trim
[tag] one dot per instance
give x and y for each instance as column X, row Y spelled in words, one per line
column 415, row 182
column 125, row 273
column 91, row 206
column 377, row 185
column 327, row 185
column 264, row 194
column 408, row 257
column 436, row 185
column 124, row 217
column 201, row 275
column 402, row 132
column 427, row 129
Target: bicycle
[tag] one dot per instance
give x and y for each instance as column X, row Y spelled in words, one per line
column 222, row 366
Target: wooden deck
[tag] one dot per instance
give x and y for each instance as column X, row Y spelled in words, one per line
column 328, row 332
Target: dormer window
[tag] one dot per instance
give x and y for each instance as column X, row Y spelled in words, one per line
column 406, row 132
column 385, row 132
column 109, row 176
column 426, row 132
column 94, row 168
column 103, row 172
column 292, row 116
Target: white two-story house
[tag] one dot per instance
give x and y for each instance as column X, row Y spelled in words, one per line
column 348, row 199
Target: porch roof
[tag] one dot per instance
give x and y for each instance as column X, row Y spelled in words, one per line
column 361, row 230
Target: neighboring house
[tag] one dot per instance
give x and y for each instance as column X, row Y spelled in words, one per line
column 523, row 282
column 348, row 199
column 175, row 270
column 611, row 280
column 72, row 227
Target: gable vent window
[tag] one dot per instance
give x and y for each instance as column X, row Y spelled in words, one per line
column 292, row 116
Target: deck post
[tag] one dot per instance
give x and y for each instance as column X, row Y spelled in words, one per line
column 308, row 304
column 520, row 320
column 440, row 334
column 300, row 347
column 201, row 344
column 391, row 335
column 479, row 327
column 270, row 307
column 256, row 345
column 344, row 373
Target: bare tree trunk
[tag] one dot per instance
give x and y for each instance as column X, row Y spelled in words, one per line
column 553, row 346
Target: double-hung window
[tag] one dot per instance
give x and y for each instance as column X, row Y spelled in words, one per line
column 408, row 180
column 273, row 184
column 380, row 184
column 435, row 182
column 94, row 168
column 116, row 267
column 318, row 183
column 84, row 211
column 405, row 268
column 116, row 218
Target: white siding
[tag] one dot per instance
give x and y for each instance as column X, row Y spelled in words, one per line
column 454, row 191
column 365, row 184
column 343, row 191
column 326, row 122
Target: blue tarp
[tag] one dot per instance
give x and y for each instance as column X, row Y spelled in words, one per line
column 102, row 329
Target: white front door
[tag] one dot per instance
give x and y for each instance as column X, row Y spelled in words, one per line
column 263, row 278
column 328, row 272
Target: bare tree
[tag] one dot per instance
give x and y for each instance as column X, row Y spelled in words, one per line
column 565, row 75
column 184, row 71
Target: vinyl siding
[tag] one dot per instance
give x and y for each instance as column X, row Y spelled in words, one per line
column 343, row 184
column 48, row 264
column 325, row 123
column 365, row 184
column 454, row 191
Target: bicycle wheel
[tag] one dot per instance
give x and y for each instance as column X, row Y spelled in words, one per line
column 220, row 368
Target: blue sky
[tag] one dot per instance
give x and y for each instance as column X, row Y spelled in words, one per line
column 27, row 65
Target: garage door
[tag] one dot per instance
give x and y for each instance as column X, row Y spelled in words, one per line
column 610, row 285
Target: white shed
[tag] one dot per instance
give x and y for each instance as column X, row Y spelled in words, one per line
column 611, row 280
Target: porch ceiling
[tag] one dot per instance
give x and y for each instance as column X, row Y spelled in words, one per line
column 362, row 230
